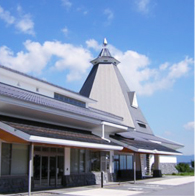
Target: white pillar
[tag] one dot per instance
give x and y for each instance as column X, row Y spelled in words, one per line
column 66, row 161
column 30, row 169
column 111, row 169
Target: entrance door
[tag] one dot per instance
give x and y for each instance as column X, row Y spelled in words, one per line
column 52, row 171
column 48, row 171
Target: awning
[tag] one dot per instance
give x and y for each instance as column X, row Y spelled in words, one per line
column 141, row 146
column 17, row 130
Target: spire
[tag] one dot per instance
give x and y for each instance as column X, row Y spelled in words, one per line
column 105, row 57
column 105, row 42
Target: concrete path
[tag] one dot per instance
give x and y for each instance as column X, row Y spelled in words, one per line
column 174, row 181
column 153, row 186
column 106, row 192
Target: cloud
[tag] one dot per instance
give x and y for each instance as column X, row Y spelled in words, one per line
column 135, row 68
column 23, row 22
column 75, row 59
column 143, row 6
column 65, row 31
column 6, row 16
column 189, row 126
column 67, row 4
column 110, row 15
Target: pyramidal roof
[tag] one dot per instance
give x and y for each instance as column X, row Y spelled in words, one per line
column 106, row 85
column 105, row 57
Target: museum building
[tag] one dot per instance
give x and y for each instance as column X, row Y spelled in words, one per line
column 52, row 137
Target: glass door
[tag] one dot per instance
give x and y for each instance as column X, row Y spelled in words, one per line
column 53, row 171
column 60, row 170
column 44, row 171
column 48, row 167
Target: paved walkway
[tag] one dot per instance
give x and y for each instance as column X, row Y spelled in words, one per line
column 141, row 187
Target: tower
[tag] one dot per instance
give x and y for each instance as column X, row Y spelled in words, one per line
column 106, row 85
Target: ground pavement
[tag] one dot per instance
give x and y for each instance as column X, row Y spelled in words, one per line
column 168, row 185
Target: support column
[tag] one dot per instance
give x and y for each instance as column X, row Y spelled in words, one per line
column 0, row 155
column 30, row 169
column 112, row 176
column 111, row 169
column 66, row 161
column 157, row 171
column 134, row 168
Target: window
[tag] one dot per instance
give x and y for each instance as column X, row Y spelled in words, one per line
column 69, row 100
column 142, row 125
column 6, row 159
column 77, row 160
column 125, row 161
column 95, row 160
column 14, row 159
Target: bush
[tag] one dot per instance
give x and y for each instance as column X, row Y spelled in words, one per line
column 192, row 164
column 183, row 167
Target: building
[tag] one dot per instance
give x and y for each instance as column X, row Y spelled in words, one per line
column 53, row 137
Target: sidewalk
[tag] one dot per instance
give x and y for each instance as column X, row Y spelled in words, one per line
column 118, row 188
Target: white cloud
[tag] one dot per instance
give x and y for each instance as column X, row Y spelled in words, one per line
column 91, row 43
column 135, row 67
column 136, row 70
column 23, row 22
column 36, row 57
column 25, row 25
column 143, row 6
column 189, row 126
column 6, row 16
column 67, row 4
column 110, row 15
column 65, row 31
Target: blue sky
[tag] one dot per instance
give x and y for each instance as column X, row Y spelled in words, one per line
column 55, row 40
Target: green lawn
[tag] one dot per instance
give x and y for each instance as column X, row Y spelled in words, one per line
column 184, row 174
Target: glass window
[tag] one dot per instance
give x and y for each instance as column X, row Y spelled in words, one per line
column 77, row 160
column 95, row 160
column 6, row 159
column 14, row 159
column 82, row 161
column 129, row 162
column 19, row 159
column 74, row 160
column 125, row 162
column 69, row 100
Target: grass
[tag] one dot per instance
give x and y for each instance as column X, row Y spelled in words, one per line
column 184, row 174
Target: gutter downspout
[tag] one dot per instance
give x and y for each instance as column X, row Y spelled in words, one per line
column 103, row 134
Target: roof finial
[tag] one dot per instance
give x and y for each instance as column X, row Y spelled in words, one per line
column 105, row 42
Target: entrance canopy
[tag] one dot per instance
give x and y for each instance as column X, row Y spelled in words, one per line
column 17, row 130
column 141, row 146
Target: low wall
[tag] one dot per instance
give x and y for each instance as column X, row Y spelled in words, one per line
column 13, row 184
column 168, row 168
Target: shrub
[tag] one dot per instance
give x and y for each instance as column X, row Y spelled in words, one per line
column 183, row 167
column 192, row 164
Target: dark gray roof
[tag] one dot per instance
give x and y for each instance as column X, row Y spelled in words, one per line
column 105, row 58
column 88, row 84
column 38, row 99
column 146, row 137
column 52, row 131
column 105, row 52
column 146, row 145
